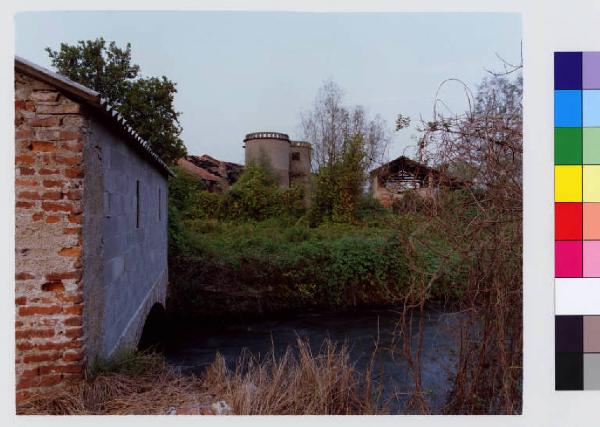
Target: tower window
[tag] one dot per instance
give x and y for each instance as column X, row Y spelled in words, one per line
column 296, row 156
column 137, row 204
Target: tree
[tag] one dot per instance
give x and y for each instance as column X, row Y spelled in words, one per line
column 330, row 124
column 346, row 145
column 148, row 107
column 146, row 103
column 338, row 187
column 486, row 141
column 483, row 240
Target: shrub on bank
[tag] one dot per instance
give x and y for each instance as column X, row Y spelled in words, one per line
column 272, row 265
column 255, row 196
column 252, row 250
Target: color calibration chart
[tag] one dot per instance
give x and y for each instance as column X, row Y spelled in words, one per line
column 577, row 220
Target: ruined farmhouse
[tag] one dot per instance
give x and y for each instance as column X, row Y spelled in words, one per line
column 91, row 229
column 217, row 175
column 391, row 181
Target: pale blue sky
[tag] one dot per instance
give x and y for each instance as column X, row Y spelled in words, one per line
column 239, row 72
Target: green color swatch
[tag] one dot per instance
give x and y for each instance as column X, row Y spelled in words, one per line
column 591, row 146
column 568, row 146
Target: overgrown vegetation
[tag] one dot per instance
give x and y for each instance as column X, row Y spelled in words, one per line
column 300, row 382
column 463, row 246
column 255, row 249
column 339, row 184
column 482, row 230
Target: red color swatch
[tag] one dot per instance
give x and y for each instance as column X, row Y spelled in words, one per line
column 568, row 221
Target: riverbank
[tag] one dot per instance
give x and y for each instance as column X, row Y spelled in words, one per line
column 220, row 269
column 372, row 336
column 462, row 247
column 299, row 382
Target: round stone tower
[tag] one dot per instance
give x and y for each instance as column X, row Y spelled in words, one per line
column 271, row 149
column 300, row 152
column 300, row 157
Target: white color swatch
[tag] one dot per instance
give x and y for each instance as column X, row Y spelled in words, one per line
column 578, row 296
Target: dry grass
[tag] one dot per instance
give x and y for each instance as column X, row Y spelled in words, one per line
column 296, row 383
column 137, row 383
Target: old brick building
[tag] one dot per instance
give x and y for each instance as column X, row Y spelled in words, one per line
column 91, row 229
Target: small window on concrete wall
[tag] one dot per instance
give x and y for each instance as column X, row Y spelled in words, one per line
column 137, row 204
column 159, row 204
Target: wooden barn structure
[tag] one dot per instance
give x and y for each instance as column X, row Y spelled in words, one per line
column 392, row 180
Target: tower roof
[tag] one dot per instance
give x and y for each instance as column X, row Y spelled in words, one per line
column 267, row 135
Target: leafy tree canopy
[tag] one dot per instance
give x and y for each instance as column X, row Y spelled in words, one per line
column 145, row 102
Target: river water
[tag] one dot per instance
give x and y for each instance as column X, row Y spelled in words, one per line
column 193, row 348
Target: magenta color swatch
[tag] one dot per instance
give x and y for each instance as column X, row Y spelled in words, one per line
column 591, row 258
column 568, row 259
column 591, row 70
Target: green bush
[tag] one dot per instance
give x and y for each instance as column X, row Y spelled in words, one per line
column 206, row 205
column 252, row 250
column 183, row 188
column 287, row 265
column 255, row 196
column 339, row 185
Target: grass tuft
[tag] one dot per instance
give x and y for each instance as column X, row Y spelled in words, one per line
column 299, row 382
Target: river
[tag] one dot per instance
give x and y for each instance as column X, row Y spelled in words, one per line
column 193, row 347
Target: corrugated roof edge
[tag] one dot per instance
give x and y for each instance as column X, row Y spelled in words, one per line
column 94, row 99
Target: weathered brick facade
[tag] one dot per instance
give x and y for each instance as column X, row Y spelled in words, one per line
column 50, row 130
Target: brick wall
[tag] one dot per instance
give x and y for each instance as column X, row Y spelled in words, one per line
column 49, row 132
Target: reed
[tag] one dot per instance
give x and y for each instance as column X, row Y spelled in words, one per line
column 299, row 382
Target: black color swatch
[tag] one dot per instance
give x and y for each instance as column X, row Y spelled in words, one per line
column 569, row 371
column 568, row 334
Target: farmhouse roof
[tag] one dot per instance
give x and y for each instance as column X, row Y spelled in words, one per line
column 227, row 171
column 200, row 172
column 403, row 163
column 95, row 100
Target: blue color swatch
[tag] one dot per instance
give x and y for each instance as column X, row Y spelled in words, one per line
column 591, row 108
column 567, row 108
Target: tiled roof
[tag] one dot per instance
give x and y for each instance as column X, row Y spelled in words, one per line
column 96, row 101
column 202, row 173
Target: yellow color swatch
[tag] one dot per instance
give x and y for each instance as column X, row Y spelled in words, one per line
column 567, row 183
column 591, row 183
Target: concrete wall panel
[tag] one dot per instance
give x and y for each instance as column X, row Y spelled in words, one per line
column 135, row 240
